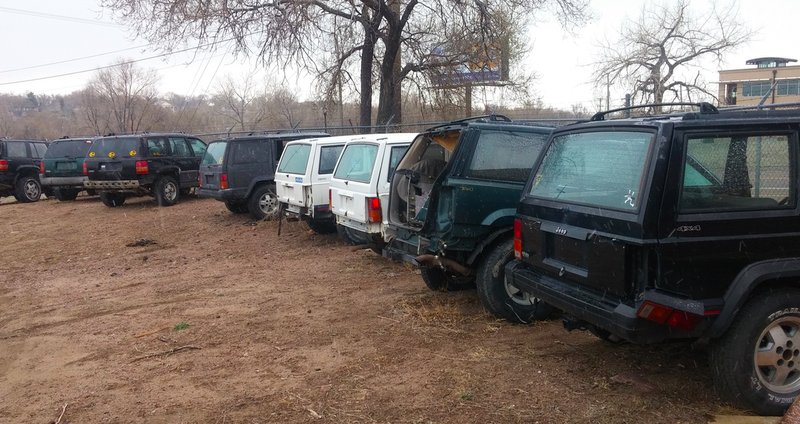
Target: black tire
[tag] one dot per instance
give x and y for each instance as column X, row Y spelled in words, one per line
column 767, row 330
column 185, row 191
column 325, row 226
column 167, row 191
column 91, row 192
column 503, row 300
column 112, row 200
column 263, row 204
column 65, row 194
column 438, row 279
column 237, row 208
column 350, row 236
column 27, row 189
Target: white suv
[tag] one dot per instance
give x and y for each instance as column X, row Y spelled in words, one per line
column 302, row 178
column 359, row 189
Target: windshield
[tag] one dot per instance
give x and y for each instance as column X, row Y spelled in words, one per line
column 295, row 159
column 603, row 169
column 214, row 152
column 68, row 149
column 356, row 162
column 115, row 147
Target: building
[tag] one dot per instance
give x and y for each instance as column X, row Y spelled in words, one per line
column 744, row 87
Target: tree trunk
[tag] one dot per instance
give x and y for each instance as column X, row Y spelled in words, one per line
column 388, row 104
column 367, row 53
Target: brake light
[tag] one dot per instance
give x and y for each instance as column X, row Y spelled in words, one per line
column 199, row 179
column 374, row 209
column 85, row 170
column 41, row 167
column 3, row 165
column 330, row 200
column 665, row 315
column 518, row 239
column 141, row 167
column 223, row 180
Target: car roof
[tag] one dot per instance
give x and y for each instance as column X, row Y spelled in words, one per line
column 390, row 138
column 278, row 136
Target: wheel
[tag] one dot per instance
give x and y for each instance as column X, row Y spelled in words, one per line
column 350, row 236
column 27, row 189
column 185, row 191
column 112, row 200
column 438, row 279
column 237, row 208
column 167, row 191
column 756, row 363
column 65, row 194
column 504, row 300
column 325, row 226
column 263, row 204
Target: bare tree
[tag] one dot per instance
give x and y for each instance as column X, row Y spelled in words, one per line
column 657, row 57
column 241, row 100
column 122, row 98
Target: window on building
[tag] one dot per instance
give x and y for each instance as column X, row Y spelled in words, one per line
column 755, row 89
column 788, row 88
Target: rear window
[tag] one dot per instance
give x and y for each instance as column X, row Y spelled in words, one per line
column 252, row 151
column 327, row 158
column 604, row 169
column 295, row 159
column 115, row 147
column 356, row 162
column 69, row 149
column 505, row 155
column 214, row 152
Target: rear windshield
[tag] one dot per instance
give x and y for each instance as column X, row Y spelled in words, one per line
column 68, row 149
column 115, row 147
column 328, row 156
column 295, row 159
column 603, row 169
column 356, row 162
column 214, row 153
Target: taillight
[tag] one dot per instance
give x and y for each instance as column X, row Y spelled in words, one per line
column 223, row 181
column 518, row 239
column 141, row 167
column 330, row 200
column 374, row 209
column 85, row 170
column 41, row 167
column 3, row 165
column 665, row 315
column 199, row 179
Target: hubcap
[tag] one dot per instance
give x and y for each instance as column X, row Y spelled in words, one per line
column 777, row 356
column 268, row 203
column 32, row 190
column 518, row 296
column 170, row 191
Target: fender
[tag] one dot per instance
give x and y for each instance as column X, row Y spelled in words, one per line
column 749, row 278
column 499, row 233
column 23, row 170
column 500, row 215
column 257, row 181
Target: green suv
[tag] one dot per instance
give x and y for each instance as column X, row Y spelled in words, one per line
column 62, row 167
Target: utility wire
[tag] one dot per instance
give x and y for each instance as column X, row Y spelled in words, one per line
column 73, row 60
column 58, row 17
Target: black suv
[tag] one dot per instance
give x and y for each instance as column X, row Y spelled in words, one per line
column 160, row 165
column 20, row 162
column 678, row 226
column 452, row 203
column 240, row 171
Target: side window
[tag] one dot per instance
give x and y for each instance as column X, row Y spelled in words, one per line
column 179, row 147
column 157, row 146
column 328, row 155
column 741, row 172
column 251, row 151
column 16, row 149
column 41, row 149
column 394, row 158
column 505, row 155
column 198, row 146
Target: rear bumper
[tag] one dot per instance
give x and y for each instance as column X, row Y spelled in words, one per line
column 604, row 311
column 224, row 195
column 132, row 186
column 77, row 182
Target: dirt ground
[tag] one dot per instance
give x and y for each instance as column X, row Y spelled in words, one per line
column 289, row 329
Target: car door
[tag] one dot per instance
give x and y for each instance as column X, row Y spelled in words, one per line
column 249, row 159
column 185, row 160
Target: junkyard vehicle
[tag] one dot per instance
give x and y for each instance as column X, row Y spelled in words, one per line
column 452, row 205
column 161, row 165
column 20, row 162
column 240, row 171
column 675, row 226
column 62, row 167
column 302, row 180
column 359, row 188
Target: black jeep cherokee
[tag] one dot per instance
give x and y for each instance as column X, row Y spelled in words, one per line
column 20, row 162
column 240, row 171
column 678, row 226
column 160, row 165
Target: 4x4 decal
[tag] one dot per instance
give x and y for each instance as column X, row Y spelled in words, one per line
column 687, row 228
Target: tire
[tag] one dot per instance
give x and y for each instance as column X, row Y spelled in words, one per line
column 503, row 300
column 91, row 192
column 438, row 279
column 112, row 200
column 263, row 204
column 350, row 236
column 321, row 226
column 167, row 191
column 237, row 208
column 756, row 363
column 185, row 191
column 65, row 194
column 27, row 189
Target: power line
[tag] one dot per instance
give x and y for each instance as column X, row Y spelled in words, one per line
column 72, row 60
column 58, row 17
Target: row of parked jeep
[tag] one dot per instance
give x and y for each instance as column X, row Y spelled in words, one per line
column 678, row 226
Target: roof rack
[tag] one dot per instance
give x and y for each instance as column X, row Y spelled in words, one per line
column 704, row 108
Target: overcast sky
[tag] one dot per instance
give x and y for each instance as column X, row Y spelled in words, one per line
column 76, row 36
